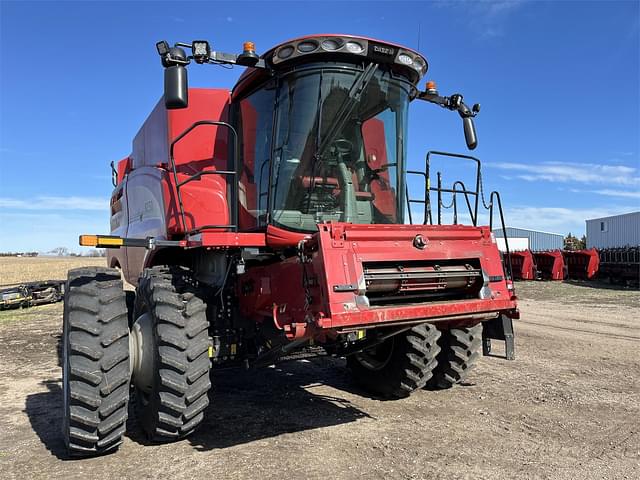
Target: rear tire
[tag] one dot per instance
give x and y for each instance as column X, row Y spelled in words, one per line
column 95, row 364
column 399, row 366
column 171, row 404
column 460, row 349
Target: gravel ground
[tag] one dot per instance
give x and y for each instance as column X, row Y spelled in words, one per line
column 567, row 408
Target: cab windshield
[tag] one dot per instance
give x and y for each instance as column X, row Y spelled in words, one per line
column 339, row 156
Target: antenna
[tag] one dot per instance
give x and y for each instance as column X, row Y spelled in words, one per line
column 419, row 25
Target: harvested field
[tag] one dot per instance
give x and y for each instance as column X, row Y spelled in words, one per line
column 567, row 408
column 30, row 269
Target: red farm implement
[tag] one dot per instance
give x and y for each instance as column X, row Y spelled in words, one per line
column 269, row 221
column 581, row 264
column 523, row 264
column 550, row 265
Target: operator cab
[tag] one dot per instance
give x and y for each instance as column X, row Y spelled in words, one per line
column 323, row 138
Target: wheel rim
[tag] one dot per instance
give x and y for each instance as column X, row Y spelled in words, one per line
column 376, row 358
column 141, row 347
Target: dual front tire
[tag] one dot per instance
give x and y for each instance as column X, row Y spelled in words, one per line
column 95, row 361
column 165, row 357
column 422, row 356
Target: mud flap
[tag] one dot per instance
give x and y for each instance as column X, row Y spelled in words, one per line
column 500, row 328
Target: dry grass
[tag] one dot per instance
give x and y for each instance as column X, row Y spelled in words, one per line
column 31, row 269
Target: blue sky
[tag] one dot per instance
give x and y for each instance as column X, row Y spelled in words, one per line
column 558, row 83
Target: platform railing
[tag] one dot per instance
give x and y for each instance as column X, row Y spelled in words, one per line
column 472, row 199
column 232, row 187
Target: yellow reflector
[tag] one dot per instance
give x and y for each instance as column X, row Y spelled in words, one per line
column 88, row 240
column 233, row 349
column 110, row 241
column 100, row 241
column 361, row 334
column 210, row 351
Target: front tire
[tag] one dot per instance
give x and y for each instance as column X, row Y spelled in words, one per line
column 400, row 365
column 95, row 365
column 459, row 354
column 172, row 382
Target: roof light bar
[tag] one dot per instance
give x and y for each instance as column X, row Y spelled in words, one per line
column 379, row 52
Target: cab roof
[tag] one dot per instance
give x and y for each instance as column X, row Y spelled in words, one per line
column 335, row 47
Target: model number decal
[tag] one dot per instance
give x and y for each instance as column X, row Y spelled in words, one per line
column 383, row 50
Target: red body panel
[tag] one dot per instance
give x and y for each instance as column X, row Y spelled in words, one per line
column 524, row 267
column 204, row 148
column 582, row 264
column 551, row 264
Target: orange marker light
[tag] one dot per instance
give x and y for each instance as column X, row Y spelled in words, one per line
column 431, row 85
column 249, row 47
column 88, row 240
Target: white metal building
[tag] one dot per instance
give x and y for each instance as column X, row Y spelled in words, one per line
column 616, row 231
column 523, row 239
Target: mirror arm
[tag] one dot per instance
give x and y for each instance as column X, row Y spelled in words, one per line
column 453, row 103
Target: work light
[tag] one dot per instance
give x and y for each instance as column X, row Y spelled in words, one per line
column 162, row 47
column 201, row 51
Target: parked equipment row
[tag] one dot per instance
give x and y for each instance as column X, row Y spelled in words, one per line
column 555, row 264
column 615, row 265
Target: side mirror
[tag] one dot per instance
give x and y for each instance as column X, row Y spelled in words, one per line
column 470, row 132
column 176, row 87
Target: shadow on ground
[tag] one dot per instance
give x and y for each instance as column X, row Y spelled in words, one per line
column 259, row 404
column 44, row 410
column 246, row 406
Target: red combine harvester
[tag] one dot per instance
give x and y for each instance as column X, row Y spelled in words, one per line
column 550, row 265
column 581, row 264
column 270, row 220
column 523, row 265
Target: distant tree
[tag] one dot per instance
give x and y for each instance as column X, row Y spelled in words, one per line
column 583, row 242
column 571, row 242
column 60, row 251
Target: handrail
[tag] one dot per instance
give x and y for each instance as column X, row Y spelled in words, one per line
column 428, row 216
column 466, row 193
column 476, row 193
column 504, row 228
column 233, row 187
column 494, row 199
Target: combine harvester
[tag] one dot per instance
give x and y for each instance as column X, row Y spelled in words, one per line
column 270, row 220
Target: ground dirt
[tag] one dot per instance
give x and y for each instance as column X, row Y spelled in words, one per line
column 567, row 408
